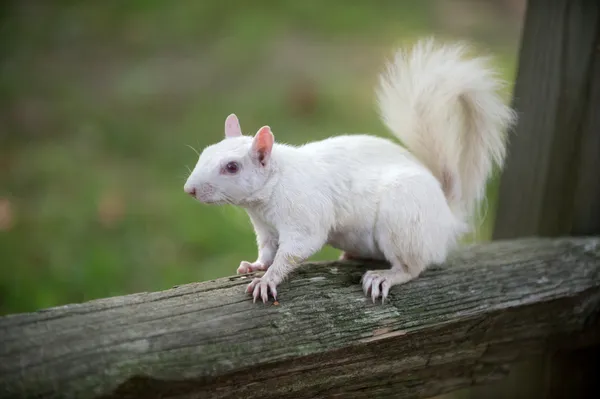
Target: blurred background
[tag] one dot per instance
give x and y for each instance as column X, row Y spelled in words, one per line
column 102, row 99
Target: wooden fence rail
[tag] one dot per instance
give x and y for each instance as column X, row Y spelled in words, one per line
column 459, row 325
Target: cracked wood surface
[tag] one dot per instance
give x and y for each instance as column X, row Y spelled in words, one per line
column 458, row 325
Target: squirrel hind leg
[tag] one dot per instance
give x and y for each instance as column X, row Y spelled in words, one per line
column 411, row 238
column 407, row 263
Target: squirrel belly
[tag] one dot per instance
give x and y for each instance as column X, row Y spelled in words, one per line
column 369, row 196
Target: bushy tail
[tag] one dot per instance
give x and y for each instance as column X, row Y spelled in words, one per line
column 446, row 111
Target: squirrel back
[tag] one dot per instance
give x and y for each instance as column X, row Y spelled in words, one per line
column 446, row 111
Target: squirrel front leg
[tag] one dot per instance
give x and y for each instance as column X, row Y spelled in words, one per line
column 294, row 248
column 267, row 243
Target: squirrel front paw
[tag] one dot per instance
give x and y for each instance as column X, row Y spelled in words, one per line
column 261, row 286
column 247, row 267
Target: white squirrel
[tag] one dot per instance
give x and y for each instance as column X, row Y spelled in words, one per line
column 368, row 196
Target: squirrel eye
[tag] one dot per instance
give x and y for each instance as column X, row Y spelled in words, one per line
column 232, row 167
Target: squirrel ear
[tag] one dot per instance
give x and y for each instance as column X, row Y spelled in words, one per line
column 263, row 144
column 232, row 127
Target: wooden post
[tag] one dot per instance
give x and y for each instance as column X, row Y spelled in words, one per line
column 551, row 185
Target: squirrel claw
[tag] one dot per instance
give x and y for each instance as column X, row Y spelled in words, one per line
column 260, row 287
column 377, row 283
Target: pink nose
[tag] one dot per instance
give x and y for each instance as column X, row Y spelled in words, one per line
column 191, row 191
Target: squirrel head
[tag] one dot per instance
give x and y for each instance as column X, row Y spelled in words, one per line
column 234, row 169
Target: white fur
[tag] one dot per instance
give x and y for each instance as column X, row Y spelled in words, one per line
column 369, row 196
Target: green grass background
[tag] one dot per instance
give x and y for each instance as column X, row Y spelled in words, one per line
column 102, row 98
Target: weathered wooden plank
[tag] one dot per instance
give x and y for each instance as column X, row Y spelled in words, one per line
column 458, row 325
